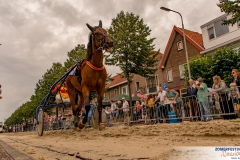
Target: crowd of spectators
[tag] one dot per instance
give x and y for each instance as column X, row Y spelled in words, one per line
column 200, row 104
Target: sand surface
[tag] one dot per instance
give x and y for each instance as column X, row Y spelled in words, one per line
column 156, row 142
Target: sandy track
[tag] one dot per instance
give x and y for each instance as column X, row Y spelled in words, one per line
column 135, row 142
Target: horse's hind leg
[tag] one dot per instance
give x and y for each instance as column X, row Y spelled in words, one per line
column 72, row 97
column 84, row 97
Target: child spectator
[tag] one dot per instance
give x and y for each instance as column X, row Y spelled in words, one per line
column 144, row 110
column 150, row 105
column 234, row 94
column 139, row 109
column 135, row 118
column 108, row 114
column 120, row 111
column 113, row 111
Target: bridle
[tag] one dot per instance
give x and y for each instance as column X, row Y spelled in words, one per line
column 101, row 40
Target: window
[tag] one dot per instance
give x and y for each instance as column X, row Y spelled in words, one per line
column 115, row 92
column 152, row 83
column 217, row 29
column 211, row 33
column 169, row 75
column 239, row 24
column 137, row 86
column 220, row 29
column 181, row 71
column 179, row 45
column 124, row 90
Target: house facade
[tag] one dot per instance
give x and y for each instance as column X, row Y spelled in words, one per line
column 171, row 67
column 216, row 35
column 118, row 84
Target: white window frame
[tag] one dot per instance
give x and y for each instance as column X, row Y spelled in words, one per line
column 180, row 45
column 181, row 72
column 126, row 89
column 171, row 80
column 214, row 31
column 137, row 89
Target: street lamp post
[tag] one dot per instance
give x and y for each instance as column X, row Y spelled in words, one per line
column 184, row 38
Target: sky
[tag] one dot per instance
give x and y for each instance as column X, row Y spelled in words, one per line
column 35, row 34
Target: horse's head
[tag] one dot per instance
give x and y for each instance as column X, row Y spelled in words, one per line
column 100, row 38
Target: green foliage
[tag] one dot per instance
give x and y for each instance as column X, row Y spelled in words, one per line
column 231, row 7
column 132, row 47
column 75, row 55
column 132, row 50
column 220, row 63
column 27, row 110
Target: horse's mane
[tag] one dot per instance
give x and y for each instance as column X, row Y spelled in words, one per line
column 89, row 47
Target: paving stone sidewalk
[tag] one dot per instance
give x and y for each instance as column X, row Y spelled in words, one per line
column 9, row 153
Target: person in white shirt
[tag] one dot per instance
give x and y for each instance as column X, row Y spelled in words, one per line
column 160, row 101
column 113, row 111
column 125, row 111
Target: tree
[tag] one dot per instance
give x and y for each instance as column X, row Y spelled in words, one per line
column 75, row 55
column 133, row 49
column 27, row 110
column 231, row 7
column 220, row 63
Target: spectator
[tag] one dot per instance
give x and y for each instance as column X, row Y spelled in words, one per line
column 234, row 95
column 139, row 109
column 62, row 94
column 192, row 101
column 108, row 115
column 144, row 110
column 135, row 118
column 0, row 91
column 174, row 96
column 160, row 106
column 113, row 111
column 125, row 107
column 150, row 105
column 202, row 95
column 143, row 102
column 120, row 111
column 236, row 77
column 90, row 114
column 221, row 89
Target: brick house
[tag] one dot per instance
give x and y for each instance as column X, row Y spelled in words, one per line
column 139, row 84
column 171, row 65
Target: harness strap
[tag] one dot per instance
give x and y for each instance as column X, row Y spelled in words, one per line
column 93, row 67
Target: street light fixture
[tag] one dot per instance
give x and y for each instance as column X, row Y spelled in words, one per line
column 184, row 38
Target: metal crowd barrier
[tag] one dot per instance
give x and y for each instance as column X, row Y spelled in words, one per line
column 224, row 105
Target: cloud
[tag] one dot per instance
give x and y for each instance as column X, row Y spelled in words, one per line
column 34, row 34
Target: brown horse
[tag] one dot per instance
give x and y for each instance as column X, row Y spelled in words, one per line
column 93, row 75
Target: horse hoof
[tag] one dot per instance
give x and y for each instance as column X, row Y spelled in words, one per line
column 81, row 125
column 101, row 127
column 75, row 124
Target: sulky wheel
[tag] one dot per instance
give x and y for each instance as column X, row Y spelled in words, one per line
column 40, row 126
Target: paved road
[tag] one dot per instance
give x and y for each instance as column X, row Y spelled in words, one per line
column 9, row 153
